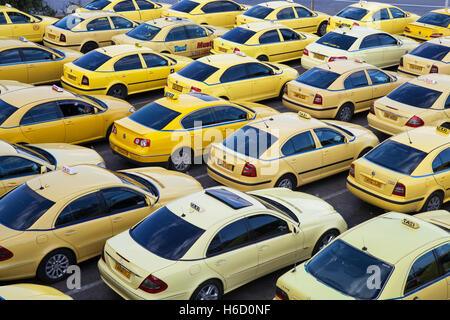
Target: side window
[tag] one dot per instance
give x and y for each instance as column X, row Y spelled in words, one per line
column 130, row 62
column 396, row 13
column 194, row 31
column 328, row 137
column 72, row 108
column 228, row 6
column 378, row 76
column 387, row 40
column 98, row 24
column 153, row 60
column 12, row 167
column 286, row 13
column 229, row 113
column 442, row 161
column 82, row 209
column 17, row 17
column 122, row 199
column 258, row 70
column 271, row 36
column 176, row 34
column 144, row 5
column 289, row 35
column 220, row 6
column 198, row 118
column 371, row 41
column 124, row 6
column 3, row 18
column 232, row 236
column 31, row 54
column 302, row 12
column 355, row 80
column 447, row 103
column 262, row 227
column 299, row 143
column 42, row 113
column 382, row 14
column 234, row 73
column 10, row 56
column 443, row 256
column 423, row 271
column 121, row 23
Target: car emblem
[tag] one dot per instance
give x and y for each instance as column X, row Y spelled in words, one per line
column 420, row 32
column 176, row 81
column 373, row 173
column 299, row 89
column 124, row 135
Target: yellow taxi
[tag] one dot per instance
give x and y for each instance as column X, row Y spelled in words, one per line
column 432, row 56
column 432, row 25
column 408, row 172
column 288, row 13
column 408, row 260
column 265, row 41
column 51, row 114
column 377, row 15
column 369, row 45
column 287, row 150
column 136, row 10
column 215, row 241
column 64, row 217
column 339, row 89
column 180, row 128
column 86, row 31
column 28, row 291
column 12, row 85
column 19, row 163
column 121, row 70
column 28, row 62
column 422, row 101
column 232, row 77
column 220, row 13
column 173, row 35
column 15, row 24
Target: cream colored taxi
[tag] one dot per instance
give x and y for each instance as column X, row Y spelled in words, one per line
column 422, row 101
column 65, row 216
column 288, row 13
column 265, row 41
column 28, row 291
column 373, row 46
column 86, row 31
column 12, row 85
column 393, row 256
column 287, row 150
column 339, row 89
column 232, row 77
column 209, row 243
column 432, row 56
column 430, row 26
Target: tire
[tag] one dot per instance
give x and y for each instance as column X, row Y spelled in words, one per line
column 263, row 58
column 446, row 125
column 281, row 94
column 286, row 181
column 322, row 30
column 54, row 265
column 118, row 91
column 88, row 46
column 181, row 160
column 208, row 290
column 364, row 152
column 434, row 202
column 345, row 113
column 108, row 132
column 166, row 52
column 224, row 98
column 324, row 240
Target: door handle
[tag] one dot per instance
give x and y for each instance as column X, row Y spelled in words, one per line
column 117, row 219
column 264, row 247
column 218, row 263
column 69, row 122
column 68, row 233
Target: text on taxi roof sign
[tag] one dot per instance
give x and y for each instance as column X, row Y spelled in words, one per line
column 410, row 223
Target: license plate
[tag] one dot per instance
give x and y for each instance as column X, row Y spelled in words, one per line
column 415, row 67
column 71, row 77
column 177, row 87
column 390, row 116
column 222, row 49
column 123, row 271
column 372, row 182
column 299, row 95
column 319, row 56
column 122, row 151
column 227, row 166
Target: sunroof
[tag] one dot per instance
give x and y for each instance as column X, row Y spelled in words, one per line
column 229, row 198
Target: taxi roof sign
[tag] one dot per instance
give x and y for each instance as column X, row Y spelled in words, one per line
column 57, row 89
column 23, row 39
column 138, row 45
column 69, row 170
column 410, row 224
column 304, row 115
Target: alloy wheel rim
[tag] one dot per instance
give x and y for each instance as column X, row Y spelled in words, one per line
column 209, row 292
column 285, row 183
column 181, row 160
column 56, row 266
column 434, row 203
column 326, row 241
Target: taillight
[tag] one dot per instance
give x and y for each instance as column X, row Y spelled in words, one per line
column 62, row 38
column 317, row 99
column 236, row 50
column 249, row 170
column 5, row 254
column 336, row 58
column 351, row 171
column 329, row 21
column 305, row 52
column 372, row 109
column 399, row 190
column 114, row 129
column 436, row 35
column 415, row 122
column 434, row 69
column 195, row 89
column 356, row 24
column 142, row 142
column 286, row 89
column 153, row 285
column 407, row 30
column 85, row 81
column 281, row 294
column 401, row 62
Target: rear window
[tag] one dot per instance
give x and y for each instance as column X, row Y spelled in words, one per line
column 22, row 207
column 250, row 141
column 436, row 19
column 414, row 95
column 238, row 35
column 6, row 110
column 165, row 234
column 337, row 40
column 317, row 77
column 353, row 13
column 97, row 5
column 144, row 32
column 259, row 12
column 154, row 116
column 431, row 51
column 396, row 156
column 91, row 60
column 68, row 22
column 197, row 71
column 185, row 6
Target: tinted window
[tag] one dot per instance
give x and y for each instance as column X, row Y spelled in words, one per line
column 250, row 141
column 82, row 209
column 229, row 113
column 318, row 77
column 233, row 236
column 275, row 205
column 185, row 6
column 353, row 13
column 153, row 60
column 431, row 51
column 269, row 37
column 435, row 19
column 72, row 108
column 423, row 271
column 378, row 76
column 144, row 32
column 98, row 24
column 396, row 156
column 289, row 35
column 10, row 56
column 130, row 62
column 328, row 137
column 17, row 17
column 91, row 60
column 31, row 54
column 154, row 116
column 387, row 40
column 442, row 161
column 144, row 5
column 265, row 226
column 124, row 6
column 259, row 12
column 97, row 5
column 165, row 234
column 287, row 13
column 355, row 80
column 121, row 23
column 6, row 110
column 234, row 73
column 299, row 143
column 414, row 95
column 120, row 200
column 176, row 34
column 396, row 13
column 382, row 14
column 370, row 42
column 443, row 255
column 220, row 6
column 13, row 167
column 68, row 22
column 302, row 12
column 194, row 31
column 238, row 35
column 337, row 40
column 42, row 113
column 3, row 18
column 203, row 117
column 22, row 207
column 447, row 103
column 198, row 71
column 258, row 70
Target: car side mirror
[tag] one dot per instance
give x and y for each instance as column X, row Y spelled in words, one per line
column 249, row 116
column 399, row 43
column 148, row 202
column 43, row 169
column 346, row 140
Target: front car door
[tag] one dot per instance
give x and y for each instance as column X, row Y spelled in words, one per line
column 100, row 30
column 199, row 43
column 441, row 170
column 147, row 10
column 306, row 20
column 392, row 51
column 177, row 41
column 382, row 83
column 399, row 21
column 382, row 20
column 201, row 126
column 287, row 17
column 22, row 26
column 15, row 170
column 270, row 45
column 292, row 44
column 128, row 9
column 223, row 11
column 237, row 82
column 264, row 81
column 40, row 66
column 157, row 70
column 369, row 50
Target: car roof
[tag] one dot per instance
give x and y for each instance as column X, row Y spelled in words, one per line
column 442, row 10
column 396, row 240
column 434, row 81
column 6, row 148
column 277, row 4
column 95, row 14
column 11, row 43
column 344, row 66
column 371, row 5
column 168, row 21
column 262, row 25
column 438, row 217
column 357, row 31
column 223, row 60
column 120, row 49
column 424, row 138
column 445, row 41
column 25, row 96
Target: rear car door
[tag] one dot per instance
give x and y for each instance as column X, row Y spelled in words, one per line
column 264, row 81
column 22, row 26
column 237, row 82
column 7, row 28
column 441, row 170
column 15, row 170
column 358, row 90
column 12, row 66
column 147, row 10
column 128, row 9
column 40, row 65
column 129, row 70
column 287, row 17
column 399, row 21
column 177, row 41
column 270, row 42
column 382, row 83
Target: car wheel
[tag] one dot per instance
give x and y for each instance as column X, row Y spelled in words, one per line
column 322, row 29
column 118, row 91
column 324, row 240
column 364, row 152
column 434, row 202
column 54, row 265
column 89, row 46
column 263, row 58
column 286, row 181
column 208, row 290
column 181, row 160
column 345, row 113
column 281, row 94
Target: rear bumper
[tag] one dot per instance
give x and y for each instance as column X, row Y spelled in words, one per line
column 384, row 126
column 407, row 73
column 416, row 38
column 20, row 270
column 309, row 63
column 328, row 112
column 137, row 158
column 236, row 184
column 48, row 43
column 76, row 89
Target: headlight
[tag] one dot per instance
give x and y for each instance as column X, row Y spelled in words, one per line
column 132, row 110
column 101, row 164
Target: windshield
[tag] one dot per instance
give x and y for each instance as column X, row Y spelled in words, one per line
column 348, row 270
column 337, row 40
column 185, row 6
column 165, row 234
column 97, row 5
column 144, row 32
column 396, row 156
column 197, row 71
column 318, row 77
column 6, row 110
column 414, row 95
column 68, row 22
column 436, row 19
column 238, row 35
column 353, row 13
column 431, row 51
column 35, row 152
column 91, row 60
column 250, row 141
column 259, row 12
column 154, row 116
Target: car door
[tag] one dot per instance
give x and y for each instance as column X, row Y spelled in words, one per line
column 15, row 170
column 292, row 44
column 382, row 83
column 177, row 41
column 100, row 31
column 199, row 43
column 157, row 70
column 40, row 65
column 128, row 9
column 237, row 82
column 302, row 155
column 358, row 90
column 231, row 254
column 382, row 20
column 392, row 51
column 399, row 21
column 130, row 71
column 201, row 126
column 22, row 26
column 82, row 121
column 264, row 81
column 43, row 123
column 306, row 20
column 369, row 50
column 223, row 11
column 147, row 10
column 6, row 27
column 12, row 66
column 441, row 170
column 287, row 17
column 229, row 119
column 83, row 224
column 270, row 45
column 120, row 24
